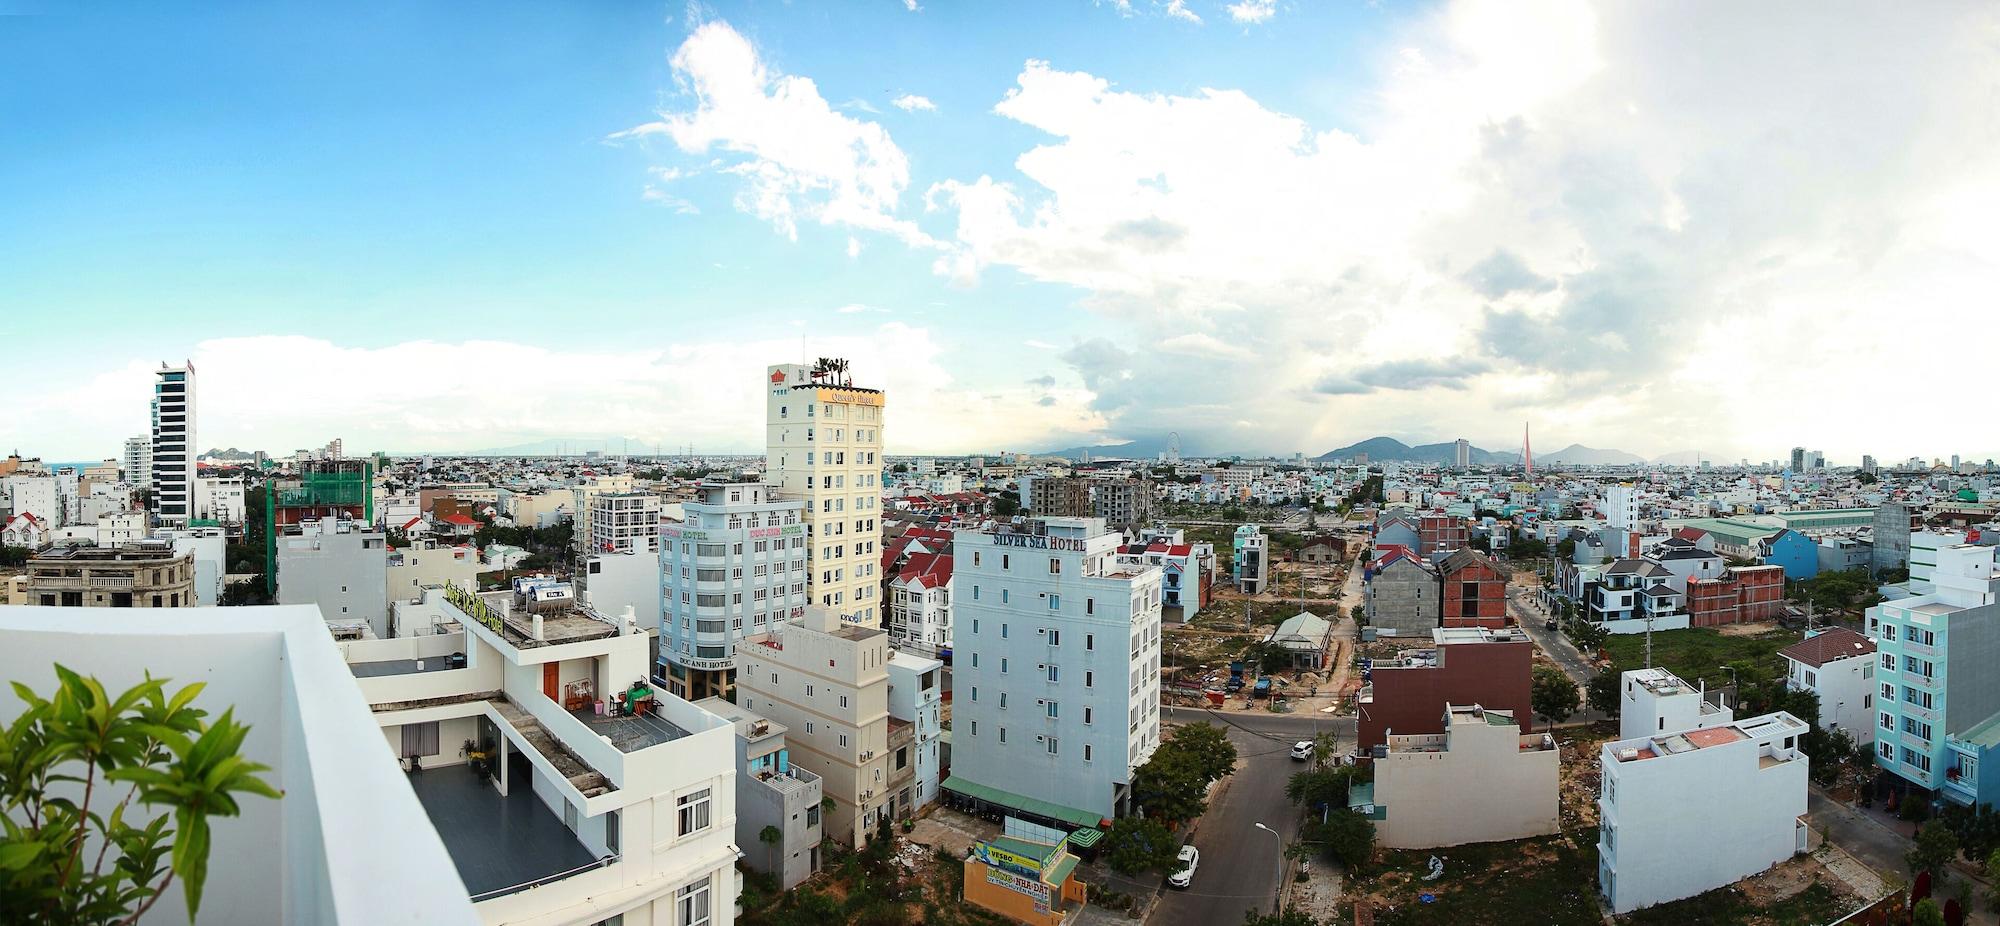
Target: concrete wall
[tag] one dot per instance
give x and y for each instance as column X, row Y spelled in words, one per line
column 1483, row 789
column 345, row 575
column 348, row 842
column 1403, row 597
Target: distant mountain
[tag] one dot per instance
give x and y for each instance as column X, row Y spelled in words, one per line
column 1579, row 455
column 1145, row 448
column 1381, row 449
column 230, row 454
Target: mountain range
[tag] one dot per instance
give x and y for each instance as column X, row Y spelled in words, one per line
column 1388, row 448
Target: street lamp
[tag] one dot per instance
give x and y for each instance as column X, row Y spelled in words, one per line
column 1277, row 899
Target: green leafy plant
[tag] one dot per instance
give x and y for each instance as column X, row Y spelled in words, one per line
column 1552, row 695
column 82, row 741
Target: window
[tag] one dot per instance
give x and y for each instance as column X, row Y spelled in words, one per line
column 1003, row 665
column 1003, row 700
column 1888, row 722
column 1003, row 734
column 1052, row 710
column 1055, row 637
column 691, row 904
column 843, row 700
column 1052, row 745
column 1086, row 719
column 843, row 741
column 1003, row 631
column 1004, row 558
column 975, row 729
column 1811, row 679
column 975, row 692
column 1086, row 752
column 1055, row 566
column 1089, row 677
column 1888, row 662
column 1055, row 673
column 692, row 811
column 1055, row 602
column 1089, row 639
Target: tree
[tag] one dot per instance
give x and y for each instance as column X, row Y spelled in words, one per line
column 14, row 556
column 1173, row 784
column 159, row 745
column 1602, row 692
column 1552, row 694
column 1006, row 504
column 1927, row 913
column 1326, row 787
column 770, row 836
column 1135, row 844
column 1935, row 848
column 1993, row 879
column 1347, row 837
column 1565, row 549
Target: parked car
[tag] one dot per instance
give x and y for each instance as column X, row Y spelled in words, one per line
column 1550, row 624
column 1189, row 857
column 1234, row 685
column 1302, row 750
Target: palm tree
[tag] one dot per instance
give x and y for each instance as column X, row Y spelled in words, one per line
column 771, row 836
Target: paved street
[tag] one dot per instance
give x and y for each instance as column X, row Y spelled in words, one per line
column 1879, row 845
column 1241, row 866
column 1551, row 642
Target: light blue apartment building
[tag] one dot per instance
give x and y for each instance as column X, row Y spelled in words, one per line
column 1938, row 691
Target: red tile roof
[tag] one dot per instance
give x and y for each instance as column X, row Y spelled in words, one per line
column 926, row 570
column 459, row 519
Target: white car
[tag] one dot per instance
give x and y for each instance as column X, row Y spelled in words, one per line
column 1190, row 857
column 1302, row 750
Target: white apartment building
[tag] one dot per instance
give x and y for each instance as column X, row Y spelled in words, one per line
column 219, row 499
column 174, row 443
column 114, row 530
column 1838, row 665
column 1478, row 781
column 580, row 496
column 575, row 812
column 36, row 494
column 1656, row 701
column 735, row 567
column 340, row 566
column 771, row 790
column 137, row 464
column 427, row 562
column 209, row 549
column 823, row 446
column 1056, row 665
column 617, row 583
column 624, row 522
column 916, row 706
column 1748, row 780
column 826, row 678
column 1621, row 507
column 349, row 843
column 920, row 602
column 1924, row 547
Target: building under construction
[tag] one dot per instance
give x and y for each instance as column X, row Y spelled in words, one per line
column 337, row 489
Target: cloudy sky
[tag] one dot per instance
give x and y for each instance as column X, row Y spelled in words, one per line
column 1269, row 225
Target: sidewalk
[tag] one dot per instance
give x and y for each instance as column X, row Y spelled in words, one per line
column 1880, row 842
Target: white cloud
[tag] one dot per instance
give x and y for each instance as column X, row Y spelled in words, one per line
column 1178, row 9
column 912, row 6
column 1253, row 11
column 1543, row 196
column 796, row 156
column 507, row 393
column 910, row 103
column 1040, row 345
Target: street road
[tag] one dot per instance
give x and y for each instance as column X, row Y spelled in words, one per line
column 1241, row 866
column 1551, row 642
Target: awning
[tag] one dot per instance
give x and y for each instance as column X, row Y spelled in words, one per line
column 1036, row 806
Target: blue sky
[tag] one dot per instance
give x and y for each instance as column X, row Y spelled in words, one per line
column 417, row 227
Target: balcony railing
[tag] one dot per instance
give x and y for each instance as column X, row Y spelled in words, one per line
column 545, row 879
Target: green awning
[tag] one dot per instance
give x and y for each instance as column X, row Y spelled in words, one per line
column 1041, row 808
column 1060, row 873
column 1085, row 838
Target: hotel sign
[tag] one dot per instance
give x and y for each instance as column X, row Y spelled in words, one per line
column 788, row 530
column 1039, row 542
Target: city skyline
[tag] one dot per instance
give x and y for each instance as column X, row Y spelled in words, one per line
column 576, row 223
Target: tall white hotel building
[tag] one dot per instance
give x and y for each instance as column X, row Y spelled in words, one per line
column 173, row 443
column 823, row 447
column 1056, row 674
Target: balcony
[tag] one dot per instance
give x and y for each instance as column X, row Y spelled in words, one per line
column 792, row 781
column 500, row 843
column 1925, row 682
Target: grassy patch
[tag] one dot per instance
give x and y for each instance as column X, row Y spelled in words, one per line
column 1551, row 881
column 1699, row 652
column 1726, row 906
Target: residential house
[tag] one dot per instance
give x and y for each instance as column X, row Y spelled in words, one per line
column 1751, row 778
column 1401, row 594
column 1474, row 590
column 1481, row 780
column 772, row 793
column 1468, row 665
column 1838, row 665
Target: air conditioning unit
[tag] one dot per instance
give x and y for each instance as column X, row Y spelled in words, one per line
column 1043, row 631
